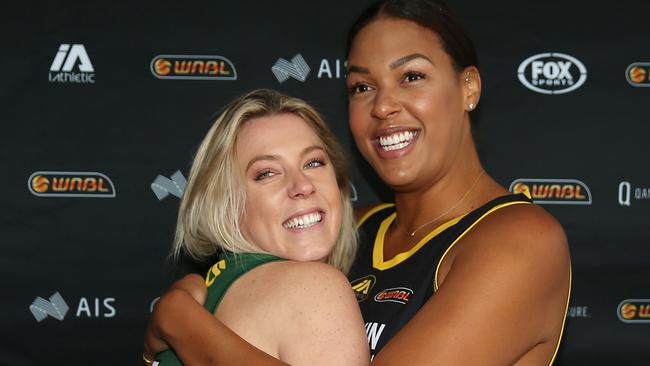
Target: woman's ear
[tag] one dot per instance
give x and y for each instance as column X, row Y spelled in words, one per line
column 471, row 82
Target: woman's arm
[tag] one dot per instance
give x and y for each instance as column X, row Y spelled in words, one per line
column 317, row 320
column 180, row 321
column 502, row 302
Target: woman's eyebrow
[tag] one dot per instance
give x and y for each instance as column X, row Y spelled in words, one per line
column 402, row 60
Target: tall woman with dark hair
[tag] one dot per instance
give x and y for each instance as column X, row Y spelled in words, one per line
column 486, row 273
column 457, row 271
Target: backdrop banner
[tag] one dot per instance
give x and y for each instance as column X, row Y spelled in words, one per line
column 104, row 104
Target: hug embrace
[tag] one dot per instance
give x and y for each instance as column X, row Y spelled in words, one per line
column 268, row 193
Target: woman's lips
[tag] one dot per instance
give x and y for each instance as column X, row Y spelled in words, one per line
column 394, row 143
column 304, row 220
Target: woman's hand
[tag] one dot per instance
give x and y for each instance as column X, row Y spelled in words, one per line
column 171, row 305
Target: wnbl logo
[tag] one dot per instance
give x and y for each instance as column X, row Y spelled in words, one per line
column 69, row 56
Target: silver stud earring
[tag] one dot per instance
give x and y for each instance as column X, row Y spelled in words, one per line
column 467, row 77
column 471, row 106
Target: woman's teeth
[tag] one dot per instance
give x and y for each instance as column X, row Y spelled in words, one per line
column 303, row 222
column 396, row 141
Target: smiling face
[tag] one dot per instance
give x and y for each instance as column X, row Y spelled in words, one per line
column 293, row 202
column 408, row 104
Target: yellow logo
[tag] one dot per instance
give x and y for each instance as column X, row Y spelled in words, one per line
column 214, row 272
column 362, row 286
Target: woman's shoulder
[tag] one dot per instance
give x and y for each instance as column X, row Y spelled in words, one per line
column 516, row 234
column 295, row 309
column 290, row 285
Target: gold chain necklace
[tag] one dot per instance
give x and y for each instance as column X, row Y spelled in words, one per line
column 454, row 206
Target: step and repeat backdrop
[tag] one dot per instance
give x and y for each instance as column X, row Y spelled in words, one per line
column 103, row 105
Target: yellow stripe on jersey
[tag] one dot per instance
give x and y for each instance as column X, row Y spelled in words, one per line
column 566, row 310
column 378, row 249
column 372, row 211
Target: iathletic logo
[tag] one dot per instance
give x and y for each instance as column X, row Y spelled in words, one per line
column 362, row 286
column 65, row 60
column 70, row 184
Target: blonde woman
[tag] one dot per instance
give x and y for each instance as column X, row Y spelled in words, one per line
column 268, row 190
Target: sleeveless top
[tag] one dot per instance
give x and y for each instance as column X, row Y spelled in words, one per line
column 391, row 292
column 220, row 276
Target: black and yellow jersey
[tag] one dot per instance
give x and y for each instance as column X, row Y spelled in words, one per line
column 390, row 292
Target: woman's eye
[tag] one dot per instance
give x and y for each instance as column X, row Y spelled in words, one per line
column 358, row 88
column 411, row 76
column 314, row 163
column 264, row 174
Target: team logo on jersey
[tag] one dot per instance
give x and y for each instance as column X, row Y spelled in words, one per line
column 362, row 286
column 553, row 191
column 634, row 311
column 70, row 184
column 638, row 74
column 193, row 67
column 399, row 295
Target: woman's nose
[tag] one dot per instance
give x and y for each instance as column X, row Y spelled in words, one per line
column 301, row 185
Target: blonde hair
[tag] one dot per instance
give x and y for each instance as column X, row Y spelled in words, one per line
column 212, row 206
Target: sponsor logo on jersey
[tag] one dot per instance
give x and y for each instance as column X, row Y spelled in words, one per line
column 193, row 67
column 627, row 193
column 70, row 184
column 67, row 58
column 638, row 74
column 399, row 295
column 362, row 286
column 163, row 186
column 553, row 191
column 634, row 311
column 552, row 73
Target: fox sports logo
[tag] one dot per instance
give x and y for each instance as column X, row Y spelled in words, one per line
column 552, row 73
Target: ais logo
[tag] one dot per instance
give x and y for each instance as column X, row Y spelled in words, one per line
column 193, row 67
column 553, row 191
column 399, row 295
column 552, row 73
column 638, row 74
column 57, row 308
column 362, row 286
column 634, row 311
column 70, row 184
